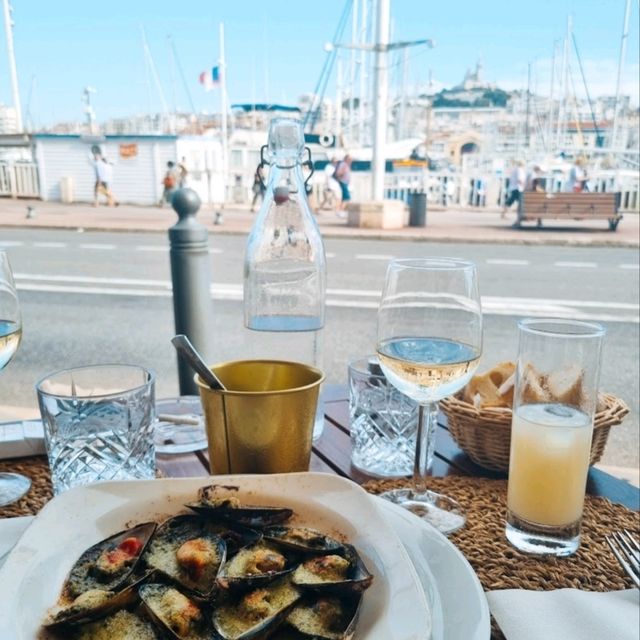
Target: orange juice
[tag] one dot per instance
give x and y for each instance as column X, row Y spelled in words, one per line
column 550, row 446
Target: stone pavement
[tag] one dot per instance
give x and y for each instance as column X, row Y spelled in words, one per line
column 450, row 225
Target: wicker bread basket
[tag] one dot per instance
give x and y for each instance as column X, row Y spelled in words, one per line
column 485, row 434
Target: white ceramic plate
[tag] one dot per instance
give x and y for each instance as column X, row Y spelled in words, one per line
column 394, row 608
column 459, row 606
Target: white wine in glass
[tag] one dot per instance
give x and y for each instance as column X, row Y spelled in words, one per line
column 429, row 346
column 12, row 485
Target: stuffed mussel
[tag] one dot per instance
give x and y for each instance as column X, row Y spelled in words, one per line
column 189, row 552
column 175, row 614
column 325, row 617
column 254, row 615
column 302, row 540
column 219, row 502
column 255, row 566
column 109, row 564
column 343, row 573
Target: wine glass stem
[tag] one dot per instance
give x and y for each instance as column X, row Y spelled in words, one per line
column 424, row 433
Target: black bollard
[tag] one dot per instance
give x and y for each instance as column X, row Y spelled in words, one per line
column 191, row 278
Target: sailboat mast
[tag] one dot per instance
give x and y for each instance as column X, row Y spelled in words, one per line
column 352, row 71
column 381, row 90
column 362, row 100
column 15, row 93
column 223, row 114
column 565, row 86
column 623, row 53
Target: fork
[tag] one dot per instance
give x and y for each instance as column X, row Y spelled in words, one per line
column 627, row 552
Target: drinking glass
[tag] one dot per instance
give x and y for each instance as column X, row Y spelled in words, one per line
column 555, row 399
column 429, row 346
column 98, row 424
column 12, row 485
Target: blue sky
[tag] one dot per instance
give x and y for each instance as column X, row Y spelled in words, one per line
column 275, row 50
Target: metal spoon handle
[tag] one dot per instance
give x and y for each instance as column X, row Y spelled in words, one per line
column 188, row 352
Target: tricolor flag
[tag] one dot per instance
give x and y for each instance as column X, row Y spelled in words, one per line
column 211, row 80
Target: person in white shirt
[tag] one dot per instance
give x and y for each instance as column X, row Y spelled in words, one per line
column 577, row 177
column 517, row 181
column 104, row 179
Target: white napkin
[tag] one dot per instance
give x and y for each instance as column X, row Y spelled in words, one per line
column 566, row 614
column 10, row 531
column 22, row 438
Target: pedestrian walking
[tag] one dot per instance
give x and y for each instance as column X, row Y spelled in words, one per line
column 103, row 182
column 182, row 173
column 578, row 180
column 517, row 181
column 169, row 183
column 331, row 191
column 343, row 176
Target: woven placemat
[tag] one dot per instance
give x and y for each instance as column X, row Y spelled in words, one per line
column 41, row 490
column 500, row 566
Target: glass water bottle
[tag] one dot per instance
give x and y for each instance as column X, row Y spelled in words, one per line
column 285, row 267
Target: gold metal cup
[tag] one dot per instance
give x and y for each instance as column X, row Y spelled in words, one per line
column 263, row 421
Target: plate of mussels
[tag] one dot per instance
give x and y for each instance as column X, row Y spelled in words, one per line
column 288, row 557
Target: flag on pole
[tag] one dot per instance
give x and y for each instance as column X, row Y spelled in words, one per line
column 211, row 80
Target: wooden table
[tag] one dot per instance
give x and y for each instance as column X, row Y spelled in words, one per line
column 332, row 454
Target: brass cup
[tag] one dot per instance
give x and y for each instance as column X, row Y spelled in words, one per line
column 263, row 421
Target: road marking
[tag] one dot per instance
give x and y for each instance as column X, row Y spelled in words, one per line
column 98, row 247
column 373, row 256
column 164, row 248
column 629, row 266
column 11, row 243
column 342, row 298
column 576, row 265
column 328, row 254
column 505, row 261
column 50, row 245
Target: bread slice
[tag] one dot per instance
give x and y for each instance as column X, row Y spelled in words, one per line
column 565, row 385
column 534, row 386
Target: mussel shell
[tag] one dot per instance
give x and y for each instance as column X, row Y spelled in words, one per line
column 151, row 595
column 82, row 576
column 160, row 555
column 236, row 536
column 302, row 540
column 122, row 625
column 312, row 618
column 230, row 621
column 232, row 574
column 218, row 502
column 80, row 613
column 357, row 580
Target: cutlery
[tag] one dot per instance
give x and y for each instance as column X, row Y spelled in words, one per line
column 627, row 552
column 194, row 359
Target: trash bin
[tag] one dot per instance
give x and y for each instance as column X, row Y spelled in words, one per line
column 417, row 209
column 66, row 189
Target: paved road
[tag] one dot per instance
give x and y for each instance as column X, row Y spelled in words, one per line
column 102, row 296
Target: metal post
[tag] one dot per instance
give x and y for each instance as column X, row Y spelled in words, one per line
column 191, row 279
column 15, row 93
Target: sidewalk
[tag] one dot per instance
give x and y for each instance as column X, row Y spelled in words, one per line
column 451, row 225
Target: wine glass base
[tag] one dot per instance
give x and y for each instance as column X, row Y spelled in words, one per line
column 12, row 487
column 441, row 512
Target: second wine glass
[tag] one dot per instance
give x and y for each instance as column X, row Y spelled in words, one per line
column 12, row 485
column 429, row 344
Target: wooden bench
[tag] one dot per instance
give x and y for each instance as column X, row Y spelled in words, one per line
column 569, row 206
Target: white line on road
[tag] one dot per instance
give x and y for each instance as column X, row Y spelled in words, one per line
column 99, row 247
column 11, row 243
column 50, row 245
column 164, row 248
column 328, row 254
column 576, row 265
column 629, row 266
column 515, row 263
column 373, row 256
column 344, row 298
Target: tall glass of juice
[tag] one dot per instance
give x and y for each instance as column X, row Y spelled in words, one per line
column 555, row 399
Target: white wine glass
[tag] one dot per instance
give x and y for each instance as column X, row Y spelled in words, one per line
column 429, row 344
column 12, row 485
